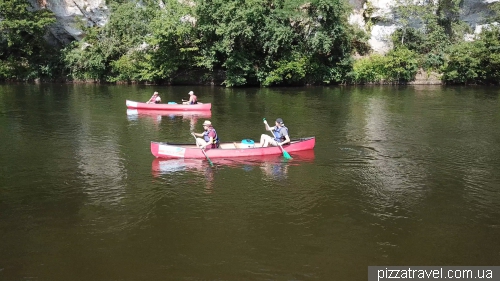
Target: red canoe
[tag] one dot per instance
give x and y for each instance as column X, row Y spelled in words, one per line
column 167, row 106
column 226, row 150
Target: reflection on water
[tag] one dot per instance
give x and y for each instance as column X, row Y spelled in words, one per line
column 276, row 170
column 158, row 115
column 273, row 167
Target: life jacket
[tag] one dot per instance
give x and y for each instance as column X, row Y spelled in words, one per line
column 195, row 100
column 152, row 99
column 215, row 144
column 278, row 134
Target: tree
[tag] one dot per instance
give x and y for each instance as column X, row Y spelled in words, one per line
column 23, row 50
column 270, row 42
column 99, row 56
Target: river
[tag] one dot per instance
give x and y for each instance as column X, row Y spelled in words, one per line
column 400, row 175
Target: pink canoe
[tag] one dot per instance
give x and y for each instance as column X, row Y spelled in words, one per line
column 168, row 106
column 181, row 113
column 227, row 150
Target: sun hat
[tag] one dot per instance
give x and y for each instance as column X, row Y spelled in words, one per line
column 207, row 123
column 191, row 93
column 279, row 121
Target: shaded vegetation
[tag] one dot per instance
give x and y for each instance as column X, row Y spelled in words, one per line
column 24, row 53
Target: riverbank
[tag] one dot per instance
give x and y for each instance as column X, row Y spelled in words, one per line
column 200, row 78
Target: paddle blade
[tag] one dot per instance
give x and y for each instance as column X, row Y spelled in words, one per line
column 286, row 155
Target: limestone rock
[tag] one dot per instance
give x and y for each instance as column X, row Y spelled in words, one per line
column 71, row 14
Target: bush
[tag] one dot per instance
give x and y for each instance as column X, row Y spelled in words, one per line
column 398, row 66
column 369, row 70
column 475, row 62
column 401, row 65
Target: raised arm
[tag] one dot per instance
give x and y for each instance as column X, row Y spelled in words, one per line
column 267, row 126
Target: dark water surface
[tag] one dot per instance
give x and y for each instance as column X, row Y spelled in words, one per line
column 399, row 176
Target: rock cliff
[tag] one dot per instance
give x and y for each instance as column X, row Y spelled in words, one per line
column 71, row 14
column 380, row 12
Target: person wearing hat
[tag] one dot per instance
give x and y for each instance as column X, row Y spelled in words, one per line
column 155, row 98
column 209, row 138
column 280, row 133
column 192, row 99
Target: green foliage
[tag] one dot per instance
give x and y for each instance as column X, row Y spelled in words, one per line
column 463, row 65
column 95, row 57
column 369, row 69
column 428, row 29
column 173, row 42
column 401, row 65
column 287, row 72
column 459, row 30
column 359, row 40
column 89, row 61
column 420, row 29
column 398, row 66
column 140, row 43
column 252, row 42
column 433, row 61
column 448, row 12
column 410, row 38
column 475, row 62
column 24, row 53
column 256, row 41
column 494, row 15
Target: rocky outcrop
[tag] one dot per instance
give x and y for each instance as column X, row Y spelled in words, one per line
column 377, row 18
column 71, row 15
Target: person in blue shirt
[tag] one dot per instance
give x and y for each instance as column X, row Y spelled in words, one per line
column 280, row 132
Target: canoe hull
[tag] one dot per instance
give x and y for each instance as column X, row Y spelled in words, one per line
column 166, row 106
column 171, row 113
column 168, row 150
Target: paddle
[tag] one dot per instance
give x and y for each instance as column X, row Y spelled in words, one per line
column 285, row 154
column 203, row 150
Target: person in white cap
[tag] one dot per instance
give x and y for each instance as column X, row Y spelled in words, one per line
column 192, row 99
column 155, row 98
column 280, row 133
column 209, row 137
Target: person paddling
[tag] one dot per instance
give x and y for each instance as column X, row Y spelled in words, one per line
column 192, row 99
column 210, row 138
column 280, row 133
column 155, row 98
